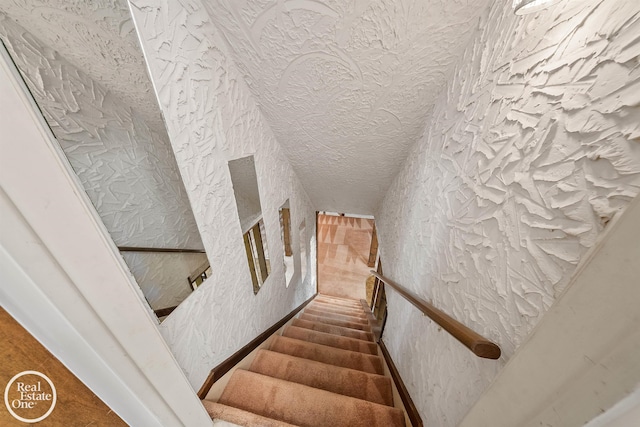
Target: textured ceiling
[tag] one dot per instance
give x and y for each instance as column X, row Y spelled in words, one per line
column 97, row 37
column 346, row 85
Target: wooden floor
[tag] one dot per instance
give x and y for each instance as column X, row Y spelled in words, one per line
column 343, row 252
column 76, row 404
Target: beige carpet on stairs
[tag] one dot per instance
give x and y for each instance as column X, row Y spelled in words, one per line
column 323, row 371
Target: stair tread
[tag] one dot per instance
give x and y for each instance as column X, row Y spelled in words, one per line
column 335, row 297
column 337, row 341
column 330, row 355
column 313, row 310
column 338, row 301
column 333, row 329
column 337, row 316
column 349, row 382
column 303, row 405
column 339, row 306
column 336, row 322
column 237, row 416
column 332, row 309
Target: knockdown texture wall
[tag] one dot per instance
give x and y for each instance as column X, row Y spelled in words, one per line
column 164, row 277
column 124, row 163
column 211, row 119
column 532, row 149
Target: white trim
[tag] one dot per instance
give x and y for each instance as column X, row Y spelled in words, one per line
column 625, row 413
column 64, row 280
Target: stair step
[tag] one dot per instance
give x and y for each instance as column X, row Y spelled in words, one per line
column 325, row 354
column 337, row 341
column 218, row 411
column 351, row 303
column 336, row 316
column 337, row 298
column 302, row 405
column 339, row 305
column 324, row 308
column 332, row 309
column 349, row 382
column 333, row 329
column 335, row 322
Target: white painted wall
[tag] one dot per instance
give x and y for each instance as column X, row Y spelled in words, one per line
column 125, row 165
column 580, row 366
column 529, row 152
column 97, row 37
column 211, row 119
column 163, row 277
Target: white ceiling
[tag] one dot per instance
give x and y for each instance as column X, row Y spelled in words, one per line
column 346, row 85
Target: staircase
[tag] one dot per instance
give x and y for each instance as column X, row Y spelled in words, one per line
column 324, row 370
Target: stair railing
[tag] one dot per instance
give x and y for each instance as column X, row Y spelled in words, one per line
column 475, row 342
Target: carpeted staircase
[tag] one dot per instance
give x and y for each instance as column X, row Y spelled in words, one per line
column 323, row 371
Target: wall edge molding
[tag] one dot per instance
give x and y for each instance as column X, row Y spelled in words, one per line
column 409, row 406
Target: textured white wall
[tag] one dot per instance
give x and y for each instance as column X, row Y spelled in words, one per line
column 530, row 151
column 125, row 165
column 163, row 277
column 68, row 288
column 211, row 119
column 97, row 37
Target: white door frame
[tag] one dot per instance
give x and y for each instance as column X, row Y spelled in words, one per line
column 63, row 279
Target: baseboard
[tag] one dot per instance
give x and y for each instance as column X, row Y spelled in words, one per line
column 409, row 406
column 224, row 367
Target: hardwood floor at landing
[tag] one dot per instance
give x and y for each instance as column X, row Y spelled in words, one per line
column 76, row 405
column 343, row 252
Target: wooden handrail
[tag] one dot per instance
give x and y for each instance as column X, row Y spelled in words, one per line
column 475, row 342
column 140, row 249
column 204, row 267
column 165, row 311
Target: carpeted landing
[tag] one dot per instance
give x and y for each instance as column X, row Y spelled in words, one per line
column 323, row 371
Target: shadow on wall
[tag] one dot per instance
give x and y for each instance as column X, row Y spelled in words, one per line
column 247, row 195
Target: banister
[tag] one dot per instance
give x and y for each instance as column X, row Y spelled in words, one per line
column 475, row 342
column 143, row 249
